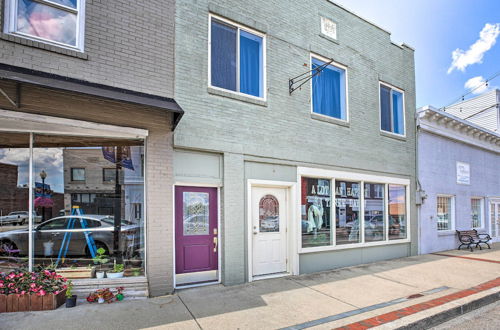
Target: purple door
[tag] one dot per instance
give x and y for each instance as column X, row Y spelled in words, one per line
column 196, row 246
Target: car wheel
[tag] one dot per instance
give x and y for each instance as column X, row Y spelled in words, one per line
column 98, row 245
column 22, row 222
column 8, row 249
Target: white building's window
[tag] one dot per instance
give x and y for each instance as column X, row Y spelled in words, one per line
column 58, row 22
column 236, row 58
column 392, row 112
column 445, row 213
column 477, row 211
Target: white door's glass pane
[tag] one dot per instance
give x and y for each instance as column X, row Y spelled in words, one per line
column 195, row 213
column 269, row 220
column 46, row 22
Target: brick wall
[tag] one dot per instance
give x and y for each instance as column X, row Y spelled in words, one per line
column 281, row 130
column 128, row 44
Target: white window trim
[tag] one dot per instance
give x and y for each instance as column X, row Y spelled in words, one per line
column 381, row 83
column 340, row 66
column 10, row 23
column 481, row 211
column 264, row 61
column 452, row 213
column 333, row 175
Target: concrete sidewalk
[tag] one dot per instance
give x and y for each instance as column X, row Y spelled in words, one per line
column 347, row 296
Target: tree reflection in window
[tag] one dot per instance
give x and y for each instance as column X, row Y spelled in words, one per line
column 269, row 214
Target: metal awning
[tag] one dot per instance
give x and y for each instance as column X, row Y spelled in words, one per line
column 56, row 82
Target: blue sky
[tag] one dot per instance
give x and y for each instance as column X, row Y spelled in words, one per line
column 435, row 28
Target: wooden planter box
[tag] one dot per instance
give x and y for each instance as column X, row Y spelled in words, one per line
column 75, row 273
column 24, row 303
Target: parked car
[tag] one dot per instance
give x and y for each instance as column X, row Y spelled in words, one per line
column 374, row 228
column 100, row 227
column 18, row 218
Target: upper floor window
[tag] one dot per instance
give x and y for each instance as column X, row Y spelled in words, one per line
column 329, row 89
column 58, row 22
column 236, row 58
column 77, row 174
column 392, row 110
column 108, row 174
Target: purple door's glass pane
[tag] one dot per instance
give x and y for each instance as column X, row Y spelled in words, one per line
column 46, row 22
column 195, row 213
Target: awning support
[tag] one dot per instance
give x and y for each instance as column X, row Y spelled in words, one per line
column 11, row 101
column 305, row 77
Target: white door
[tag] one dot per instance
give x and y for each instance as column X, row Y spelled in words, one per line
column 495, row 220
column 269, row 222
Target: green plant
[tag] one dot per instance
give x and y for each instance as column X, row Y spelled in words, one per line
column 117, row 268
column 69, row 289
column 100, row 258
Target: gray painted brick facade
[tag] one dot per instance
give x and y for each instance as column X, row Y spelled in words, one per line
column 280, row 129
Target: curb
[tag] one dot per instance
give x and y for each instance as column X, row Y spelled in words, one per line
column 452, row 313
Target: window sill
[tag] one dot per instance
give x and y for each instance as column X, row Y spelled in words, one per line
column 446, row 232
column 331, row 120
column 352, row 246
column 236, row 96
column 41, row 45
column 394, row 136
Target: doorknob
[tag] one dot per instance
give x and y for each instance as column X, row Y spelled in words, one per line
column 215, row 244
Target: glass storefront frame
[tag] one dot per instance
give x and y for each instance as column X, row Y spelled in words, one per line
column 56, row 126
column 333, row 176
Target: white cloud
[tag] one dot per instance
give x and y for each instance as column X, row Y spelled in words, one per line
column 487, row 38
column 476, row 82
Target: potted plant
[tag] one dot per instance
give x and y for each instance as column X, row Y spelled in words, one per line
column 116, row 272
column 70, row 297
column 100, row 259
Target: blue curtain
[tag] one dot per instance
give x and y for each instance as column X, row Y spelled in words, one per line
column 250, row 64
column 223, row 55
column 397, row 112
column 329, row 91
column 385, row 108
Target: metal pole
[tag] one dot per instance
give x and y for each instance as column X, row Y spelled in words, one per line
column 43, row 196
column 30, row 207
column 117, row 203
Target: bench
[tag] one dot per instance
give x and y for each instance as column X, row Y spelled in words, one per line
column 471, row 237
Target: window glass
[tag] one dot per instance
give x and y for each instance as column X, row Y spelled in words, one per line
column 109, row 175
column 77, row 174
column 53, row 224
column 108, row 210
column 374, row 212
column 477, row 212
column 14, row 201
column 444, row 216
column 250, row 64
column 315, row 210
column 237, row 69
column 328, row 90
column 397, row 212
column 195, row 213
column 43, row 21
column 391, row 110
column 223, row 55
column 67, row 3
column 347, row 212
column 269, row 214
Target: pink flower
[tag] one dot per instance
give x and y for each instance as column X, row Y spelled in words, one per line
column 56, row 292
column 32, row 285
column 23, row 292
column 42, row 292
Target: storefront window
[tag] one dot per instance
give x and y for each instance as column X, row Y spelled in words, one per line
column 374, row 212
column 80, row 212
column 347, row 212
column 315, row 210
column 397, row 212
column 14, row 200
